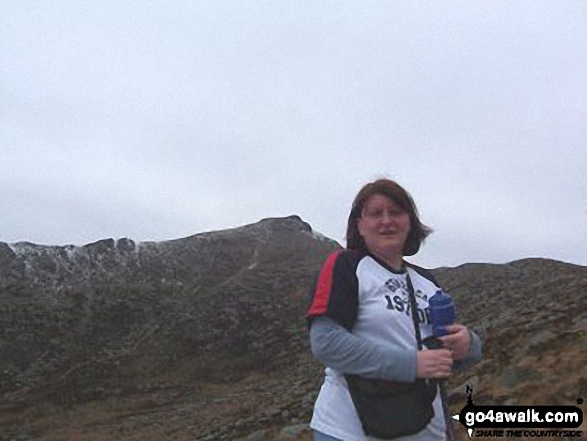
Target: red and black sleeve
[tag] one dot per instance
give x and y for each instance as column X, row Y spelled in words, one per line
column 336, row 292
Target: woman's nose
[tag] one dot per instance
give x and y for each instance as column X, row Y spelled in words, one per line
column 386, row 217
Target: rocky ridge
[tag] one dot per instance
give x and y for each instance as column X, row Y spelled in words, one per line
column 204, row 337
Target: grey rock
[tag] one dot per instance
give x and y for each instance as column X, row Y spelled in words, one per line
column 6, row 254
column 259, row 435
column 543, row 336
column 517, row 375
column 125, row 244
column 100, row 246
column 293, row 432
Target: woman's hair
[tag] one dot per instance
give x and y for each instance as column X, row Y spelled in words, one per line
column 394, row 191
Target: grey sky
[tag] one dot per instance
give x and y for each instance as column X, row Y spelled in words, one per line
column 157, row 120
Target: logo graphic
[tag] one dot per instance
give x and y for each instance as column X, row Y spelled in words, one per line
column 398, row 299
column 509, row 421
column 394, row 284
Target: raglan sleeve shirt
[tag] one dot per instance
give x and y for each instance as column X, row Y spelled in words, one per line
column 331, row 316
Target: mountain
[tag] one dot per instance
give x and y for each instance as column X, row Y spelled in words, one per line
column 204, row 337
column 532, row 316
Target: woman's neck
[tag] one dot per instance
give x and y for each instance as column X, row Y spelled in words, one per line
column 395, row 262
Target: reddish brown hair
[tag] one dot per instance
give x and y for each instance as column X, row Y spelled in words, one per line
column 395, row 192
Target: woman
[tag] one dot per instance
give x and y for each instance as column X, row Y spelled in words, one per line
column 361, row 318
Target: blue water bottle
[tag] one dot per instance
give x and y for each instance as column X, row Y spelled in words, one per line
column 442, row 312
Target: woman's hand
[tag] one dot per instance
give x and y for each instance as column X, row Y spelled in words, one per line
column 434, row 363
column 458, row 341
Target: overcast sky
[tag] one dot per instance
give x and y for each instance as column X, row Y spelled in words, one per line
column 157, row 120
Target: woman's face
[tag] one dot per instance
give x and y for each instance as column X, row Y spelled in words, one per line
column 384, row 226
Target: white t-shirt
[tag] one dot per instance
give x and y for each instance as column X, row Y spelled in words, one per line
column 371, row 300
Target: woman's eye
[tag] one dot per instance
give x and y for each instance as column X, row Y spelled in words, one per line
column 380, row 213
column 375, row 213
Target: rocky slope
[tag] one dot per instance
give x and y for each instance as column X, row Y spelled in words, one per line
column 204, row 337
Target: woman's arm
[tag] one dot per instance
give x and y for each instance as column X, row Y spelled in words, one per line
column 474, row 355
column 337, row 348
column 464, row 344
